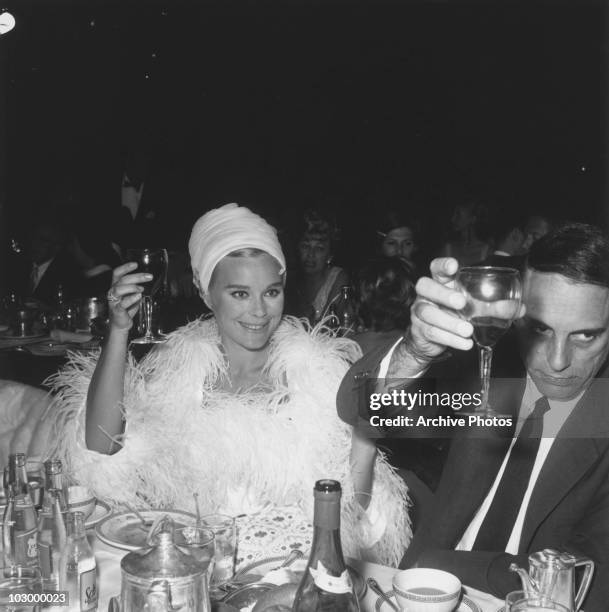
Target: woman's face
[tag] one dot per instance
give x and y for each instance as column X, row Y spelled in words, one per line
column 399, row 242
column 246, row 297
column 314, row 253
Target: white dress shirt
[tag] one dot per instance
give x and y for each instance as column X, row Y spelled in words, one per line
column 559, row 412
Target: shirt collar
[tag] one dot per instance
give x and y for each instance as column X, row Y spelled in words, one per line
column 559, row 411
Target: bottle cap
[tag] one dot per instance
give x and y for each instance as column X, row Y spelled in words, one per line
column 328, row 486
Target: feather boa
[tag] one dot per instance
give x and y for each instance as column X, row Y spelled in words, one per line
column 239, row 451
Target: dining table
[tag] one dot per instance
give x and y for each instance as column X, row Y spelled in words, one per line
column 109, row 580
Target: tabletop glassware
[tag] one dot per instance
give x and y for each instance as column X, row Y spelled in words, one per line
column 225, row 533
column 520, row 601
column 199, row 543
column 19, row 586
column 151, row 261
column 35, row 480
column 493, row 297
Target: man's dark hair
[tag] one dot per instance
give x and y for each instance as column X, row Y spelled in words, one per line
column 575, row 250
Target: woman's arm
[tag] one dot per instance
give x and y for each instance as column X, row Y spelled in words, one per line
column 362, row 458
column 105, row 396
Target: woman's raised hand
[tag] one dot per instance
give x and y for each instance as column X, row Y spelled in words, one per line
column 125, row 294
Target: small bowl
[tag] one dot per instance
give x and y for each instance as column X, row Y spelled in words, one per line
column 81, row 500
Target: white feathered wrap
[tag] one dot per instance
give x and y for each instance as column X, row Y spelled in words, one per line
column 240, row 452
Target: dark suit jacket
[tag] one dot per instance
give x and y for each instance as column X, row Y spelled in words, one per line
column 568, row 510
column 63, row 271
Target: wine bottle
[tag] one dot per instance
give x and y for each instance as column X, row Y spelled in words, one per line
column 78, row 568
column 326, row 584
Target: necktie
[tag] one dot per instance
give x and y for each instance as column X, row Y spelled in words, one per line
column 499, row 522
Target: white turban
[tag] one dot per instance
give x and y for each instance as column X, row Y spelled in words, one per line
column 224, row 230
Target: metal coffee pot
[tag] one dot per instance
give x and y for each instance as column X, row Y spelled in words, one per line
column 552, row 574
column 161, row 578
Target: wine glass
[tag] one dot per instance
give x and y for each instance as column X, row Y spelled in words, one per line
column 493, row 297
column 152, row 261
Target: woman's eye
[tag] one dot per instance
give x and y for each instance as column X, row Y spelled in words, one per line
column 239, row 294
column 274, row 292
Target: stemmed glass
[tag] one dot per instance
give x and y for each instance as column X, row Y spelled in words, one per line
column 152, row 261
column 493, row 301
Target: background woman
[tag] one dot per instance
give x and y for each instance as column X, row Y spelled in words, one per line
column 239, row 407
column 398, row 238
column 316, row 283
column 468, row 225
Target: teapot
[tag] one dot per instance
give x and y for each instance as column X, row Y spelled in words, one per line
column 552, row 574
column 162, row 578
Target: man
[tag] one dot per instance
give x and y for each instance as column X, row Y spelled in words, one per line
column 563, row 499
column 536, row 227
column 509, row 239
column 49, row 264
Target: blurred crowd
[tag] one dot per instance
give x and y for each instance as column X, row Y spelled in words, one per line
column 367, row 288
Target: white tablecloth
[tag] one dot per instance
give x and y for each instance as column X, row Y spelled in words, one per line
column 109, row 576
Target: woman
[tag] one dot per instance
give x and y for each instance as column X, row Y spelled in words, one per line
column 318, row 283
column 239, row 407
column 398, row 238
column 467, row 245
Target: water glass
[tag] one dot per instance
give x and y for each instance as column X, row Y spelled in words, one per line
column 225, row 533
column 198, row 542
column 16, row 584
column 520, row 601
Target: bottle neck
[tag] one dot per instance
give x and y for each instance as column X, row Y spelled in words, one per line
column 326, row 545
column 20, row 484
column 76, row 526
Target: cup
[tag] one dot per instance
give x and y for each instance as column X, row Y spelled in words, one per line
column 426, row 590
column 225, row 540
column 198, row 542
column 18, row 586
column 520, row 601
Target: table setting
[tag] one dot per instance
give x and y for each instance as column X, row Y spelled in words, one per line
column 32, row 328
column 144, row 558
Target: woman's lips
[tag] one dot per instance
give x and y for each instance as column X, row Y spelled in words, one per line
column 251, row 327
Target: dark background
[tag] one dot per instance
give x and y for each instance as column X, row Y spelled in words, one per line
column 345, row 106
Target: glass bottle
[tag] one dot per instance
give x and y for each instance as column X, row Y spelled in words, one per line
column 347, row 311
column 78, row 567
column 53, row 471
column 332, row 318
column 20, row 521
column 51, row 537
column 326, row 584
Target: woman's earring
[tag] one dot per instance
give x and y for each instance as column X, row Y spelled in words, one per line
column 329, row 261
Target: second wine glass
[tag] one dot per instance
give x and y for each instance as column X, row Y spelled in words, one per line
column 151, row 261
column 493, row 302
